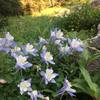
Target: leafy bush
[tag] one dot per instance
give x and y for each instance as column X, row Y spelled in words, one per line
column 3, row 21
column 86, row 18
column 10, row 7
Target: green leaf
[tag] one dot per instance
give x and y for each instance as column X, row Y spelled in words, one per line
column 94, row 57
column 98, row 94
column 93, row 87
column 85, row 54
column 81, row 85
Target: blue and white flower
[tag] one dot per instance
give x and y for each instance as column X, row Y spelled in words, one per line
column 29, row 49
column 76, row 45
column 67, row 87
column 57, row 42
column 22, row 62
column 9, row 37
column 9, row 40
column 25, row 86
column 7, row 43
column 2, row 45
column 7, row 46
column 42, row 41
column 57, row 34
column 44, row 48
column 34, row 94
column 48, row 76
column 47, row 57
column 16, row 51
column 65, row 50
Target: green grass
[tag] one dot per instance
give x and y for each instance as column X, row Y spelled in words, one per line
column 28, row 28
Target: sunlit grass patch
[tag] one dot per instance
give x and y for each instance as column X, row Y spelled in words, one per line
column 50, row 11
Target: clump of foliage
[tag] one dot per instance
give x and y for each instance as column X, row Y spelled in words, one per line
column 10, row 7
column 46, row 67
column 84, row 18
column 3, row 21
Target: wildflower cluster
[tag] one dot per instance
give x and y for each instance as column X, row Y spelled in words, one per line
column 23, row 54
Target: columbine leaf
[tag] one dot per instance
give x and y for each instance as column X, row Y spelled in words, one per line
column 86, row 75
column 85, row 54
column 94, row 57
column 81, row 86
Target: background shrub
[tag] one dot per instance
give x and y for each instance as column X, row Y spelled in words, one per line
column 10, row 7
column 3, row 21
column 86, row 18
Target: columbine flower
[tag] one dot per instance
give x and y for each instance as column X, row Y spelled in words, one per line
column 2, row 45
column 9, row 37
column 29, row 49
column 57, row 42
column 47, row 57
column 67, row 88
column 57, row 34
column 15, row 51
column 22, row 62
column 2, row 41
column 42, row 41
column 77, row 45
column 7, row 43
column 49, row 76
column 35, row 94
column 9, row 40
column 44, row 48
column 24, row 86
column 65, row 50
